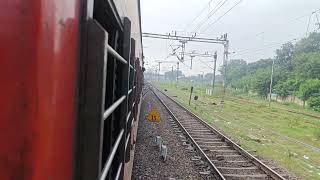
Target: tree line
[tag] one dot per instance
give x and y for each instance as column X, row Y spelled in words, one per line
column 296, row 72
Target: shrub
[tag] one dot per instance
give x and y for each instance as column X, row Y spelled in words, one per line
column 314, row 102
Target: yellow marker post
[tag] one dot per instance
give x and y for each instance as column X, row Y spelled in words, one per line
column 153, row 116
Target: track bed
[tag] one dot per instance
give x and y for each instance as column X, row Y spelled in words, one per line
column 227, row 159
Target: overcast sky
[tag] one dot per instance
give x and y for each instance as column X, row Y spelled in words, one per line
column 256, row 28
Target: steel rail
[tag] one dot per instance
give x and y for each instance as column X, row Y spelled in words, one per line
column 217, row 173
column 273, row 174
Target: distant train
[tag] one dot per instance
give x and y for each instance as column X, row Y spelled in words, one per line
column 71, row 74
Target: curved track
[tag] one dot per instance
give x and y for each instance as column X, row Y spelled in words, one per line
column 227, row 159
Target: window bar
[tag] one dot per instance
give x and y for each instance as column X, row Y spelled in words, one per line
column 110, row 110
column 111, row 156
column 128, row 117
column 116, row 55
column 128, row 138
column 118, row 172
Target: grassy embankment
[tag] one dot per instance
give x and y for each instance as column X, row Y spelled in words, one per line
column 289, row 139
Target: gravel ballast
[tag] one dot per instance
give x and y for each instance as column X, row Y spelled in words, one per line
column 147, row 161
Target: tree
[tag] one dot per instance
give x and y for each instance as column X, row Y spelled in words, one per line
column 236, row 69
column 284, row 55
column 261, row 82
column 287, row 87
column 297, row 72
column 282, row 89
column 244, row 83
column 308, row 89
column 307, row 65
column 261, row 64
column 309, row 45
column 314, row 102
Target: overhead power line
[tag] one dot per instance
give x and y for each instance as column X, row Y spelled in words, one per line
column 309, row 24
column 255, row 51
column 205, row 64
column 211, row 13
column 184, row 38
column 199, row 14
column 268, row 45
column 221, row 16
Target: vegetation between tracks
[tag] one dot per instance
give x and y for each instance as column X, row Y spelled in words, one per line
column 289, row 139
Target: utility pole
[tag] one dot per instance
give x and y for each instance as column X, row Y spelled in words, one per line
column 159, row 71
column 171, row 78
column 202, row 78
column 214, row 70
column 190, row 95
column 177, row 73
column 271, row 82
column 225, row 63
column 191, row 56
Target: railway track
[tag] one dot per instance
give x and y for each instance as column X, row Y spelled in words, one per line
column 226, row 159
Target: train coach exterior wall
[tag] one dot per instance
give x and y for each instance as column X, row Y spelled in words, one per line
column 131, row 9
column 38, row 57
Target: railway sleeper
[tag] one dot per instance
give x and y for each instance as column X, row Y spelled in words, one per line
column 197, row 134
column 246, row 176
column 204, row 136
column 231, row 157
column 193, row 122
column 188, row 126
column 198, row 130
column 221, row 147
column 224, row 163
column 206, row 139
column 209, row 144
column 222, row 152
column 244, row 170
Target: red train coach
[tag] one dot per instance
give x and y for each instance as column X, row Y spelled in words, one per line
column 70, row 73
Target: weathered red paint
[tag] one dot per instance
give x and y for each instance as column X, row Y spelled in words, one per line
column 38, row 52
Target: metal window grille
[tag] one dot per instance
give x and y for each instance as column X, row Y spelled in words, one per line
column 109, row 96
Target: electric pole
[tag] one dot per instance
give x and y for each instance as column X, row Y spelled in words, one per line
column 214, row 70
column 225, row 63
column 191, row 56
column 171, row 78
column 177, row 73
column 159, row 71
column 271, row 82
column 202, row 78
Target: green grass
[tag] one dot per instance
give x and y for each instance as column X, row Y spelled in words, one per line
column 283, row 137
